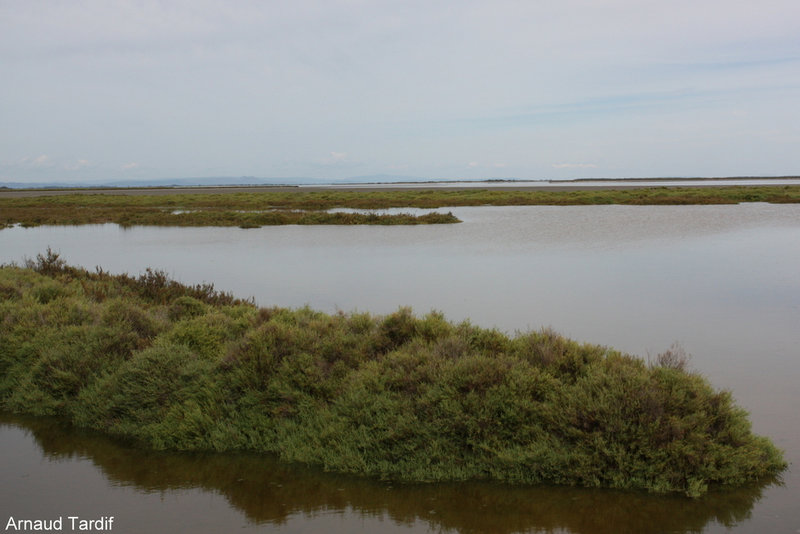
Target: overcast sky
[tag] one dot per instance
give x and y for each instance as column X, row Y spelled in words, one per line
column 111, row 90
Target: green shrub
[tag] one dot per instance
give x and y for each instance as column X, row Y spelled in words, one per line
column 146, row 324
column 398, row 327
column 186, row 306
column 398, row 397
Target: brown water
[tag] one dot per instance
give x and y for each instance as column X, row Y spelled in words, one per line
column 722, row 280
column 73, row 473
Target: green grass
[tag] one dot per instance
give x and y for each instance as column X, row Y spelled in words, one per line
column 250, row 210
column 398, row 397
column 191, row 212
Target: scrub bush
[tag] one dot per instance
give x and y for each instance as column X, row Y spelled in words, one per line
column 396, row 397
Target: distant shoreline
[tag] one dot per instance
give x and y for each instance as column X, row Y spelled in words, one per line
column 578, row 184
column 253, row 207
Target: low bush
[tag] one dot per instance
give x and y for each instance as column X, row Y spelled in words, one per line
column 397, row 397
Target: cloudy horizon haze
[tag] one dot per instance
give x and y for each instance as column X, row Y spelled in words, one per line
column 97, row 91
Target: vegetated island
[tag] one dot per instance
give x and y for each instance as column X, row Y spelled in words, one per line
column 398, row 397
column 168, row 207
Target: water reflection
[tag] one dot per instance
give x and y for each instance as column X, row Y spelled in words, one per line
column 273, row 493
column 722, row 280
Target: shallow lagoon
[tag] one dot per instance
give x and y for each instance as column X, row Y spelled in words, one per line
column 721, row 280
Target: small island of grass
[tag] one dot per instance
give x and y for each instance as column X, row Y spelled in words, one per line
column 398, row 397
column 170, row 207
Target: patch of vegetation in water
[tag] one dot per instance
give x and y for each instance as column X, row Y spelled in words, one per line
column 76, row 212
column 250, row 210
column 397, row 397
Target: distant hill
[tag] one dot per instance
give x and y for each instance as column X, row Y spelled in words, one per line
column 368, row 179
column 165, row 182
column 211, row 181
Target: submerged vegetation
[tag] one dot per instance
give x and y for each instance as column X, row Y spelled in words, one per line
column 397, row 397
column 249, row 210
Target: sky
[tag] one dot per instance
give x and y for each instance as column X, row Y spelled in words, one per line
column 100, row 91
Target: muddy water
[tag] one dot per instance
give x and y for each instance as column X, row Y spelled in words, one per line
column 721, row 280
column 71, row 473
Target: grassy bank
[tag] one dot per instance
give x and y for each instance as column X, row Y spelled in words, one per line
column 308, row 207
column 193, row 210
column 397, row 397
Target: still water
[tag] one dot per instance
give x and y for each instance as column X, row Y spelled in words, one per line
column 560, row 184
column 720, row 280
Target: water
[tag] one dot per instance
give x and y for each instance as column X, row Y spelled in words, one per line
column 677, row 182
column 721, row 280
column 68, row 472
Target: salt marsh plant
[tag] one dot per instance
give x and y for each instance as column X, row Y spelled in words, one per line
column 398, row 397
column 251, row 210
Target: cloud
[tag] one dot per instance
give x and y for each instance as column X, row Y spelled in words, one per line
column 336, row 158
column 38, row 162
column 42, row 161
column 476, row 164
column 375, row 78
column 78, row 164
column 574, row 166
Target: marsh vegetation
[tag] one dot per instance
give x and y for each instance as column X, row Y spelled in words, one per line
column 397, row 397
column 250, row 210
